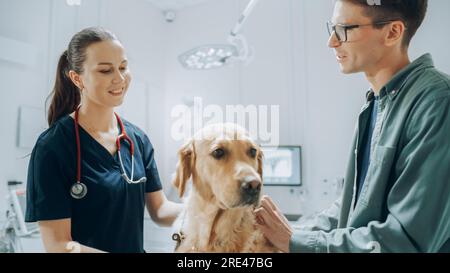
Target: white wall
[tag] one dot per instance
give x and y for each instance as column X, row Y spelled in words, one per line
column 433, row 35
column 293, row 68
column 23, row 82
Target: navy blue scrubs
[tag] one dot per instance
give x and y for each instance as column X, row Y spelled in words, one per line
column 110, row 217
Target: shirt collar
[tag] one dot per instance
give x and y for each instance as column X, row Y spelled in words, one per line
column 394, row 86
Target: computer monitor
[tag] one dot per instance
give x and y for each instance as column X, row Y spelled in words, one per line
column 282, row 166
column 18, row 202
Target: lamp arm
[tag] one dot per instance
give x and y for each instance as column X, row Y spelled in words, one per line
column 243, row 18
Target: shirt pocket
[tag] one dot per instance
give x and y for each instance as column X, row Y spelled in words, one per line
column 377, row 178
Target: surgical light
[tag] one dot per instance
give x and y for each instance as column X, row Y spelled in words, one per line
column 217, row 55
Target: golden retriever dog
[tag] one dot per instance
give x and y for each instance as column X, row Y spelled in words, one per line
column 226, row 170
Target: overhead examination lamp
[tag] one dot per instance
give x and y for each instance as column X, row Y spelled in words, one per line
column 217, row 55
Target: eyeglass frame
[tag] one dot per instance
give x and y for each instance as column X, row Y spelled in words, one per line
column 332, row 28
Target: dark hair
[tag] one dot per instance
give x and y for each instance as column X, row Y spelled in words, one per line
column 65, row 94
column 410, row 12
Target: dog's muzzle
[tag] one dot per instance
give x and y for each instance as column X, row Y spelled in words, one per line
column 250, row 190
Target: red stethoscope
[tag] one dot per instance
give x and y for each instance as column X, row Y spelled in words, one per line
column 79, row 189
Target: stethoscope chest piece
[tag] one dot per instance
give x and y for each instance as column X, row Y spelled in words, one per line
column 78, row 190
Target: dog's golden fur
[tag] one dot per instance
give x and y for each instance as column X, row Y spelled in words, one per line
column 219, row 214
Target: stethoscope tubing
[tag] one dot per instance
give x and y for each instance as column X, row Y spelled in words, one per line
column 78, row 189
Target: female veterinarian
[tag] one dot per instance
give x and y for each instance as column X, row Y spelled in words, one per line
column 92, row 172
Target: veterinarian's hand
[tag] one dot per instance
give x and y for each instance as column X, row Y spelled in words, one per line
column 271, row 221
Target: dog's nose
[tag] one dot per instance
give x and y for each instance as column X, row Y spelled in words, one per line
column 251, row 186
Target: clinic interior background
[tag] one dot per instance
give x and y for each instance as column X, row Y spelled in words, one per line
column 292, row 68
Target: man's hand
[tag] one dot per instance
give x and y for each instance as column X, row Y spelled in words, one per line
column 271, row 221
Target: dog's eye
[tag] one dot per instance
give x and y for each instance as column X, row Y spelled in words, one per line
column 218, row 154
column 252, row 152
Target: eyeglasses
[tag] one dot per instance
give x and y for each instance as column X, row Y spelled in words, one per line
column 341, row 29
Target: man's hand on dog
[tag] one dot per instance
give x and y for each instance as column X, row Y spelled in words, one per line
column 273, row 224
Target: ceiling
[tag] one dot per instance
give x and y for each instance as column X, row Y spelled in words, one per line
column 176, row 4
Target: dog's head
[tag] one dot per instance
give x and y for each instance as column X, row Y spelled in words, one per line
column 225, row 165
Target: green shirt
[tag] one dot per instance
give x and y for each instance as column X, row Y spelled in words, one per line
column 405, row 200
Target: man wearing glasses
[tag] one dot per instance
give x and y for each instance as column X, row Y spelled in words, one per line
column 396, row 196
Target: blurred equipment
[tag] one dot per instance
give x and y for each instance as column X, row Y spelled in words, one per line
column 217, row 55
column 15, row 226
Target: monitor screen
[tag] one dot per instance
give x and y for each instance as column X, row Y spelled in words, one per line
column 282, row 165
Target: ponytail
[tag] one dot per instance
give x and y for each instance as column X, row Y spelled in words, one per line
column 65, row 95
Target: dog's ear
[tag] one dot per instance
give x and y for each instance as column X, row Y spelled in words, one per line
column 260, row 158
column 185, row 164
